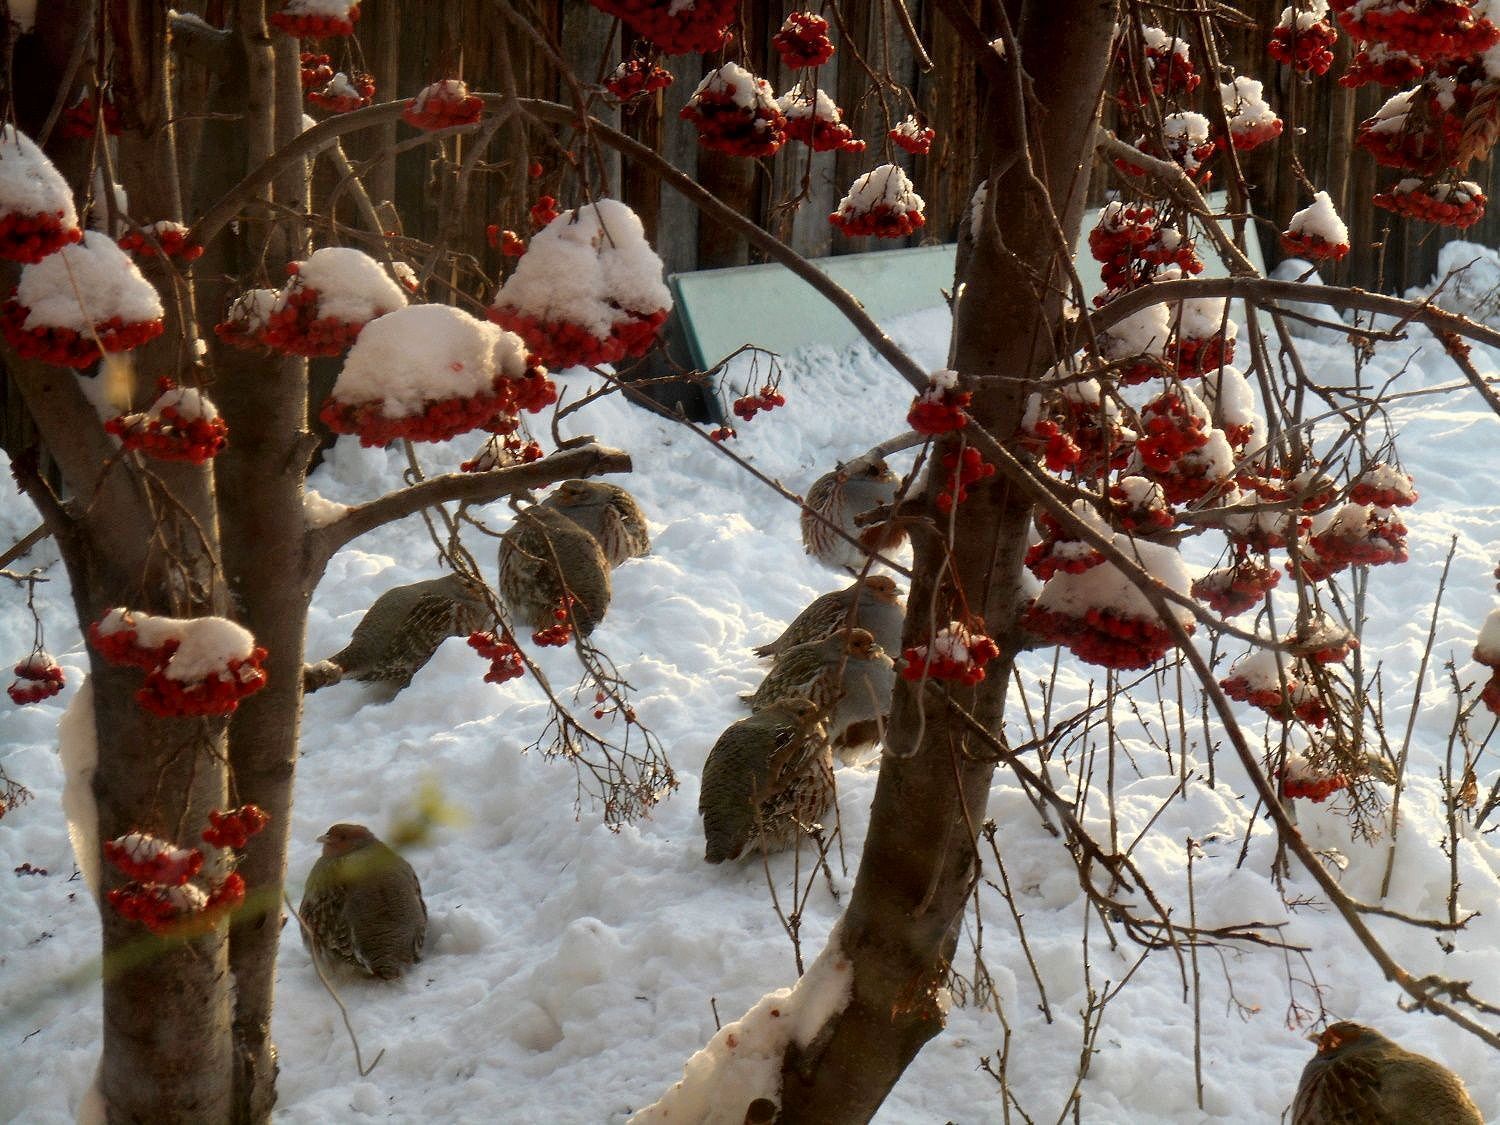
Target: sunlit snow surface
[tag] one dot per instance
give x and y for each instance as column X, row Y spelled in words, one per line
column 570, row 970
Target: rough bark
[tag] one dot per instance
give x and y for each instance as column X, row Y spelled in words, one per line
column 918, row 863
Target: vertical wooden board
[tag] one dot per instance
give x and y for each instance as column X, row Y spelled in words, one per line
column 678, row 233
column 946, row 177
column 591, row 50
column 799, row 174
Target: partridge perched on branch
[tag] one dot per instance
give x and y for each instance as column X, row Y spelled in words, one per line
column 363, row 905
column 545, row 558
column 400, row 632
column 766, row 778
column 607, row 512
column 847, row 675
column 838, row 497
column 1359, row 1077
column 876, row 603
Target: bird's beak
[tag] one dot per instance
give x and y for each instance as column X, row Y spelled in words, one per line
column 323, row 839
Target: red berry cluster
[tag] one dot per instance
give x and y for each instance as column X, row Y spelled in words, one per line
column 939, row 410
column 1370, row 489
column 499, row 452
column 882, row 220
column 1169, row 430
column 1231, row 590
column 1059, row 551
column 1169, row 73
column 543, row 211
column 723, row 433
column 561, row 343
column 297, row 329
column 678, row 29
column 1140, row 514
column 1102, row 636
column 216, row 694
column 724, row 125
column 504, row 657
column 1435, row 31
column 1315, row 789
column 560, row 633
column 769, row 399
column 38, row 678
column 1246, row 135
column 508, row 242
column 1393, row 68
column 152, row 905
column 913, row 136
column 1073, row 434
column 1132, row 244
column 1381, row 540
column 1307, row 50
column 317, row 70
column 803, row 41
column 30, row 238
column 1430, row 132
column 168, row 436
column 1313, row 247
column 957, row 653
column 1193, row 355
column 1460, row 205
column 822, row 134
column 443, row 105
column 68, row 348
column 233, row 828
column 79, row 119
column 152, row 860
column 172, row 238
column 1294, row 702
column 963, row 470
column 635, row 77
column 344, row 93
column 439, row 420
column 301, row 24
column 120, row 644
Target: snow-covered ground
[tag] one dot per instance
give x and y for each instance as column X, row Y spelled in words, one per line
column 572, row 970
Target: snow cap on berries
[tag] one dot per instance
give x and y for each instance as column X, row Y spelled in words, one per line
column 1487, row 645
column 424, row 353
column 1107, row 588
column 29, row 182
column 351, row 285
column 591, row 267
column 109, row 282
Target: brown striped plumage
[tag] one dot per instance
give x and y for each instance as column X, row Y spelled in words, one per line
column 875, row 602
column 362, row 906
column 839, row 497
column 846, row 675
column 767, row 778
column 607, row 512
column 1359, row 1077
column 542, row 556
column 402, row 629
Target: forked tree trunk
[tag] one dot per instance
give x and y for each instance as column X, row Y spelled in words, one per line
column 918, row 866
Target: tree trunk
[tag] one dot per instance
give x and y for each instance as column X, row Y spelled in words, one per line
column 918, row 865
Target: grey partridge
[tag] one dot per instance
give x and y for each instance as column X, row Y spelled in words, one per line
column 766, row 778
column 847, row 675
column 545, row 556
column 838, row 497
column 400, row 632
column 1359, row 1077
column 362, row 906
column 873, row 603
column 607, row 512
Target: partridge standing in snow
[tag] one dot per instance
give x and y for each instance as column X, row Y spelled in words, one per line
column 838, row 497
column 1359, row 1077
column 545, row 556
column 401, row 631
column 876, row 603
column 847, row 676
column 608, row 513
column 766, row 778
column 363, row 905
